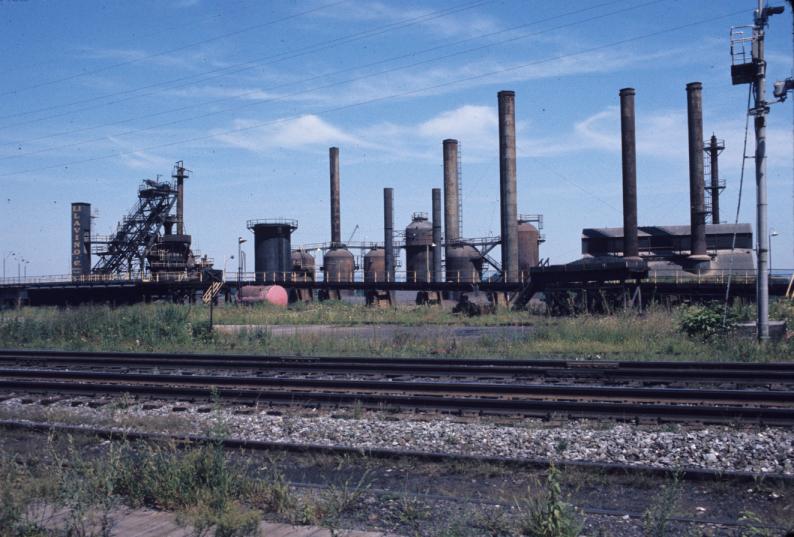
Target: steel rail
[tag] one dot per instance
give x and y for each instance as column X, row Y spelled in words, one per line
column 622, row 364
column 656, row 372
column 768, row 397
column 524, row 407
column 610, row 468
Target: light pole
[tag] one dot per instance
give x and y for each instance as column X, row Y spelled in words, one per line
column 8, row 254
column 240, row 242
column 773, row 233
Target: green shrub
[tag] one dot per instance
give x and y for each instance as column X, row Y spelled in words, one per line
column 701, row 321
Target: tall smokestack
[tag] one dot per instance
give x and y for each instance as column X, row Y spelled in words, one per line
column 388, row 230
column 451, row 188
column 180, row 174
column 507, row 184
column 437, row 276
column 696, row 181
column 714, row 151
column 629, row 156
column 336, row 219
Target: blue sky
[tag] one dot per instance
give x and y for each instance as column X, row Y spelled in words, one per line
column 97, row 96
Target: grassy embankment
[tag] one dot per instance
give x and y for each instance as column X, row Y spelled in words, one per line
column 172, row 328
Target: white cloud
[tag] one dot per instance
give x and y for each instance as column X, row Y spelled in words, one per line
column 303, row 132
column 138, row 159
column 478, row 125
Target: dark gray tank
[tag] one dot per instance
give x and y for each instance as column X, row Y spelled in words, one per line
column 338, row 265
column 272, row 248
column 375, row 265
column 528, row 248
column 419, row 249
column 464, row 263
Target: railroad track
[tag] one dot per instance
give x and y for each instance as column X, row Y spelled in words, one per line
column 769, row 375
column 773, row 407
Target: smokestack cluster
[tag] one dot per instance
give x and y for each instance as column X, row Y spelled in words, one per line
column 507, row 185
column 696, row 180
column 336, row 219
column 629, row 159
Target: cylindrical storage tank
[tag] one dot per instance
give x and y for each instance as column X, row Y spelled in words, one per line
column 464, row 263
column 272, row 248
column 375, row 265
column 419, row 249
column 338, row 265
column 272, row 294
column 302, row 265
column 528, row 248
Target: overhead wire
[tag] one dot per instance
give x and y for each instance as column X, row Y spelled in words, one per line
column 244, row 66
column 166, row 28
column 171, row 51
column 738, row 208
column 365, row 102
column 260, row 102
column 325, row 75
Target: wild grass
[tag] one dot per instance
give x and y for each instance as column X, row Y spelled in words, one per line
column 657, row 334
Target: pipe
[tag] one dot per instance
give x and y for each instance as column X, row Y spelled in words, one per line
column 180, row 197
column 696, row 180
column 388, row 230
column 715, row 179
column 507, row 185
column 451, row 188
column 336, row 219
column 629, row 158
column 437, row 275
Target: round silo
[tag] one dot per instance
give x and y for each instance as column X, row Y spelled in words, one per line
column 375, row 265
column 528, row 248
column 302, row 265
column 464, row 263
column 419, row 249
column 339, row 265
column 272, row 248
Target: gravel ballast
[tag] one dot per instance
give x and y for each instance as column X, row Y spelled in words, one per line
column 722, row 448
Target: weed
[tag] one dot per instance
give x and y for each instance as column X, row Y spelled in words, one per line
column 656, row 519
column 547, row 514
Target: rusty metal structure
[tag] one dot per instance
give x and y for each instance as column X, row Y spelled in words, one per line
column 144, row 241
column 713, row 149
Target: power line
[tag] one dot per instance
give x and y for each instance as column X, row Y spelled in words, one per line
column 333, row 84
column 378, row 99
column 243, row 66
column 171, row 51
column 136, row 40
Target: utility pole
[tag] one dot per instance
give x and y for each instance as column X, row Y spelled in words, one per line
column 754, row 72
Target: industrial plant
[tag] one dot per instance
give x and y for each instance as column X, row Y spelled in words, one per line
column 149, row 256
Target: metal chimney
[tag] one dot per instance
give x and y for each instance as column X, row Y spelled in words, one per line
column 437, row 275
column 696, row 181
column 180, row 174
column 714, row 148
column 507, row 185
column 336, row 219
column 388, row 231
column 451, row 188
column 629, row 157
